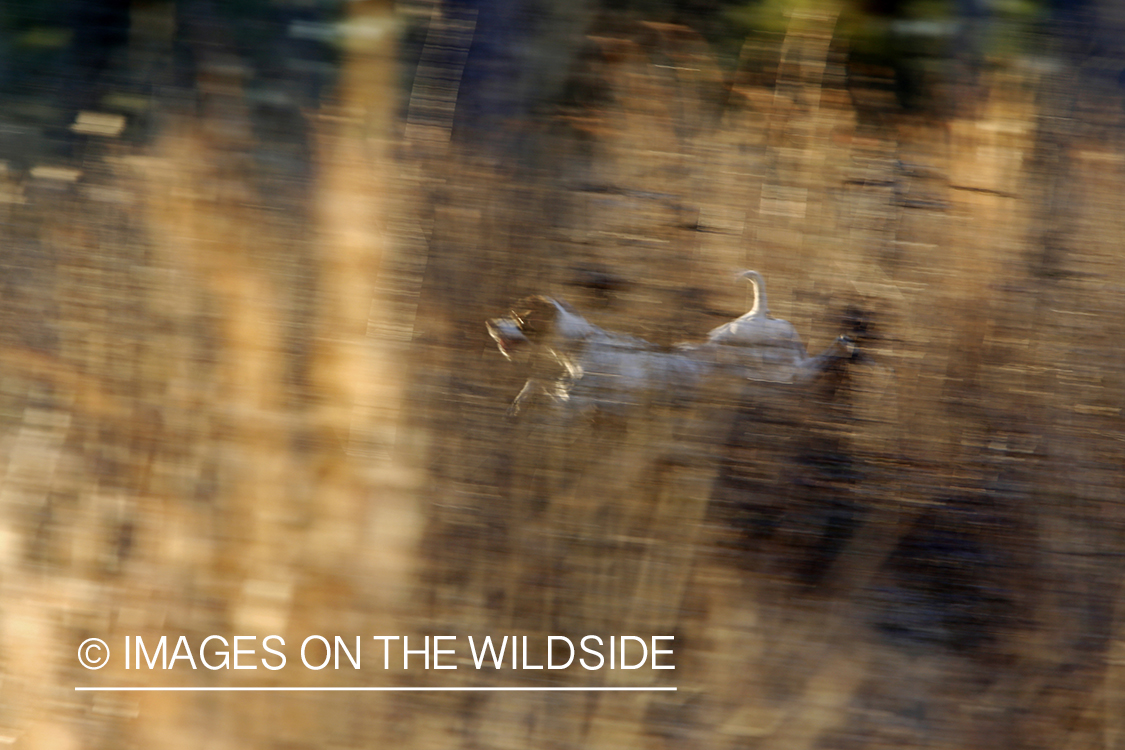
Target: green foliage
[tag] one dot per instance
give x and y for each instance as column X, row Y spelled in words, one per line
column 772, row 15
column 885, row 36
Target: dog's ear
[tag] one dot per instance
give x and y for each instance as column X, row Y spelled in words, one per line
column 537, row 317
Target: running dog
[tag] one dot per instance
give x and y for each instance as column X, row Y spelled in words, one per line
column 574, row 362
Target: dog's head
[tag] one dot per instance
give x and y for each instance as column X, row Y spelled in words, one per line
column 535, row 320
column 507, row 334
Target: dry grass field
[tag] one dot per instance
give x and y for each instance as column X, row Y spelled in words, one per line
column 235, row 404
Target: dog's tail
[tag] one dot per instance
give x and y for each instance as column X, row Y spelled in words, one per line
column 760, row 306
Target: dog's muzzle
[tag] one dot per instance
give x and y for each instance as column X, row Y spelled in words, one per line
column 507, row 335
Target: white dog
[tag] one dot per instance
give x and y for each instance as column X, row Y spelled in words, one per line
column 575, row 362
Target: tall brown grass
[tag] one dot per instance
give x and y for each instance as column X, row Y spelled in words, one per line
column 252, row 420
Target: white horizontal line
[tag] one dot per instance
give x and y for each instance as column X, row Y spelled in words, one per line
column 371, row 689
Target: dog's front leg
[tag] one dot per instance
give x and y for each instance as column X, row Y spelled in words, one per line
column 530, row 387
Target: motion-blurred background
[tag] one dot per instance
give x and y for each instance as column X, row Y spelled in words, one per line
column 248, row 250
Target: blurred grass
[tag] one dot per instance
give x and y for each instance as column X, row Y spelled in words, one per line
column 221, row 417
